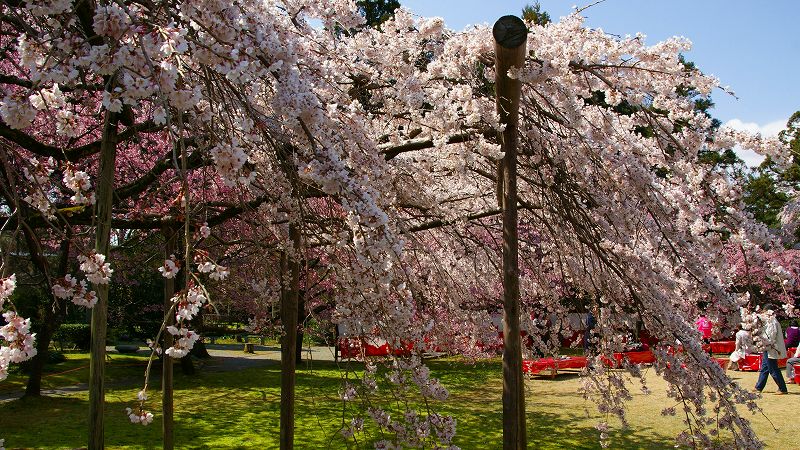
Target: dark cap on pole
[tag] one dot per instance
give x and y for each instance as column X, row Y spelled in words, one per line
column 510, row 31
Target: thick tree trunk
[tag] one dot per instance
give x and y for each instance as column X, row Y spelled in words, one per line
column 199, row 350
column 289, row 298
column 43, row 338
column 105, row 192
column 167, row 405
column 510, row 35
column 50, row 314
column 187, row 365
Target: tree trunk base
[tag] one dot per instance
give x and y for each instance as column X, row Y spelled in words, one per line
column 187, row 365
column 200, row 351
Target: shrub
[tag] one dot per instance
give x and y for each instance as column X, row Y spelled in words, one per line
column 319, row 332
column 78, row 335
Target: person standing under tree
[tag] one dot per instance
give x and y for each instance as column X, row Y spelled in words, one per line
column 790, row 366
column 591, row 322
column 704, row 326
column 792, row 334
column 774, row 349
column 744, row 345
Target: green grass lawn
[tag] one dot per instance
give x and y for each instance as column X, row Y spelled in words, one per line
column 227, row 410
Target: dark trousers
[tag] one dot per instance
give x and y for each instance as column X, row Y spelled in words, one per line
column 770, row 366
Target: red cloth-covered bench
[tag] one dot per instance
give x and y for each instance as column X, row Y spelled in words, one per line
column 534, row 366
column 357, row 347
column 722, row 346
column 553, row 365
column 752, row 362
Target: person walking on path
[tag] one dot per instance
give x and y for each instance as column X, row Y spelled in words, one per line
column 790, row 366
column 774, row 349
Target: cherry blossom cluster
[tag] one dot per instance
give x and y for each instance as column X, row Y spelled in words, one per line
column 7, row 286
column 229, row 159
column 78, row 293
column 16, row 333
column 18, row 341
column 38, row 174
column 78, row 181
column 187, row 306
column 40, row 189
column 170, row 268
column 189, row 303
column 184, row 340
column 770, row 276
column 790, row 217
column 205, row 230
column 205, row 265
column 139, row 416
column 97, row 270
column 420, row 375
column 16, row 111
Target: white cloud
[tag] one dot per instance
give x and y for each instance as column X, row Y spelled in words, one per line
column 771, row 129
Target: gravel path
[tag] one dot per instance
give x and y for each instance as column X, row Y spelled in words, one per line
column 230, row 357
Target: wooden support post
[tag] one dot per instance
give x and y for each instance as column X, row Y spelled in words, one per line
column 97, row 360
column 510, row 35
column 167, row 402
column 289, row 302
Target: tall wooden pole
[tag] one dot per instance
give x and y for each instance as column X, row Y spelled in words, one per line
column 167, row 401
column 105, row 193
column 510, row 35
column 289, row 301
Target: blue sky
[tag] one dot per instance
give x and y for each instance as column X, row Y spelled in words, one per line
column 752, row 48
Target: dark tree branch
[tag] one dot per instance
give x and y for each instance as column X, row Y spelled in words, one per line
column 440, row 223
column 162, row 165
column 391, row 151
column 234, row 211
column 75, row 154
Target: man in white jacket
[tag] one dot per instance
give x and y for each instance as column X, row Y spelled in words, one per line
column 774, row 349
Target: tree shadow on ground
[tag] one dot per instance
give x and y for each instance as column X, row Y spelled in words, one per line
column 241, row 410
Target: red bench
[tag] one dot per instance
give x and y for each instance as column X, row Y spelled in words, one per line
column 752, row 362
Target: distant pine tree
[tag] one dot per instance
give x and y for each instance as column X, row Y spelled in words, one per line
column 377, row 11
column 534, row 14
